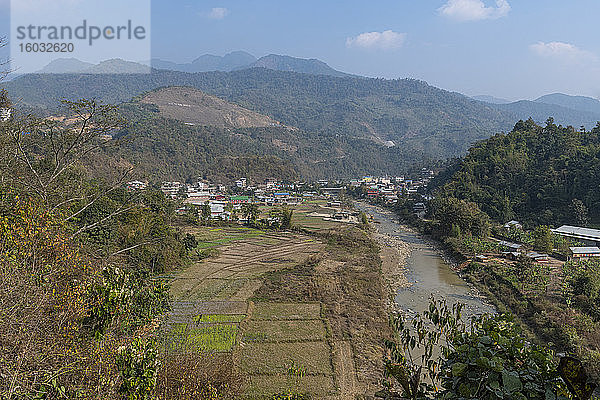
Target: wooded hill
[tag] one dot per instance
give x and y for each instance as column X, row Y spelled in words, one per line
column 368, row 115
column 162, row 148
column 541, row 174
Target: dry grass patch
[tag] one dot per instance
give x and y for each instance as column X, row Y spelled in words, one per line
column 283, row 331
column 265, row 385
column 197, row 376
column 276, row 358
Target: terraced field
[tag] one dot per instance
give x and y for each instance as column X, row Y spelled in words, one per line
column 245, row 255
column 280, row 346
column 298, row 313
column 284, row 347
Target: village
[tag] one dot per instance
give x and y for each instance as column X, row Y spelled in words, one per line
column 225, row 200
column 225, row 203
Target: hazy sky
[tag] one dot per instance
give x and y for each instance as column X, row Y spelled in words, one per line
column 505, row 48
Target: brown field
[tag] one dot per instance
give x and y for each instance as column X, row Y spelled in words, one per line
column 294, row 310
column 265, row 385
column 284, row 331
column 276, row 358
column 284, row 311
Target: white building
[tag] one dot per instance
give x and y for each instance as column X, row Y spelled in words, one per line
column 584, row 253
column 5, row 114
column 171, row 189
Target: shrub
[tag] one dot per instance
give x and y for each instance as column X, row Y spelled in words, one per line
column 492, row 360
column 138, row 364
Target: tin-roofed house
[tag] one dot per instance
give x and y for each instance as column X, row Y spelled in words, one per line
column 583, row 253
column 588, row 236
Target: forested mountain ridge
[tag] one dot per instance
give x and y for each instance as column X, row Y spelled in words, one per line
column 541, row 174
column 161, row 148
column 426, row 122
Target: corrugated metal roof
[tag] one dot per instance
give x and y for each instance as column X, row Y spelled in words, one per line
column 585, row 250
column 509, row 244
column 576, row 231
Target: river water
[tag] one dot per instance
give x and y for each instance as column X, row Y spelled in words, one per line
column 427, row 272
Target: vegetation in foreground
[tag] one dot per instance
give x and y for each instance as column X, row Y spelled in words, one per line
column 80, row 260
column 489, row 359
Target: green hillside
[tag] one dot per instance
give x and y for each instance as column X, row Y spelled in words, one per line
column 163, row 148
column 419, row 119
column 542, row 174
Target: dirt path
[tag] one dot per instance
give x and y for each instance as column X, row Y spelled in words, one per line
column 345, row 372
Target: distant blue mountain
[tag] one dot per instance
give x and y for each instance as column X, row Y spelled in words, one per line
column 208, row 62
column 293, row 64
column 239, row 60
column 580, row 103
column 491, row 99
column 65, row 65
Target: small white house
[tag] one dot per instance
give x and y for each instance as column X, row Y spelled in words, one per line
column 5, row 114
column 513, row 224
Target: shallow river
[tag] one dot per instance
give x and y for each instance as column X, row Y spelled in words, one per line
column 428, row 273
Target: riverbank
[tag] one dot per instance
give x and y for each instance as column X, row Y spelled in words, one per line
column 393, row 254
column 415, row 268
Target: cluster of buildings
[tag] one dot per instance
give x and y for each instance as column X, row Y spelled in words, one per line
column 514, row 251
column 218, row 197
column 590, row 238
column 224, row 200
column 391, row 189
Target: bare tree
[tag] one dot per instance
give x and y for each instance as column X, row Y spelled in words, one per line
column 4, row 64
column 47, row 156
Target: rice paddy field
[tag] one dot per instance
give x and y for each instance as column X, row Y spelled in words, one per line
column 281, row 345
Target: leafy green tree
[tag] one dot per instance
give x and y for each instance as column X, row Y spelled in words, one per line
column 205, row 213
column 251, row 212
column 580, row 212
column 435, row 355
column 286, row 217
column 465, row 215
column 231, row 210
column 542, row 174
column 138, row 364
column 585, row 280
column 190, row 242
column 542, row 239
column 412, row 361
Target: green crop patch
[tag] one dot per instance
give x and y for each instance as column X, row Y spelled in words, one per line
column 286, row 311
column 188, row 338
column 218, row 318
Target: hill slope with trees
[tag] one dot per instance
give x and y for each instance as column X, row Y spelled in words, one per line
column 426, row 122
column 542, row 174
column 161, row 148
